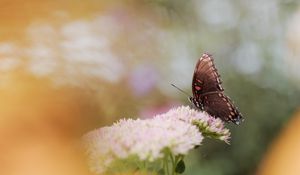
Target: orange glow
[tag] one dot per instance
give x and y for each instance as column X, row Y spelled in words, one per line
column 38, row 127
column 283, row 157
column 17, row 15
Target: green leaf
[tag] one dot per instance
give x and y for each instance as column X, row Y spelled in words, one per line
column 180, row 167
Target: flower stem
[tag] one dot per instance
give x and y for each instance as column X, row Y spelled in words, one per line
column 166, row 165
column 173, row 164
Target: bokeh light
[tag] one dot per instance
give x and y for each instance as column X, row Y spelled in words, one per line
column 67, row 67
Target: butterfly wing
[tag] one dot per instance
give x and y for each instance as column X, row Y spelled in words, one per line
column 206, row 78
column 208, row 92
column 219, row 105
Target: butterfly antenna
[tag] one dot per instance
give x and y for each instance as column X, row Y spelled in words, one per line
column 180, row 90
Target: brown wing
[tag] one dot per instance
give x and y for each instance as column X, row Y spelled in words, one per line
column 219, row 105
column 206, row 78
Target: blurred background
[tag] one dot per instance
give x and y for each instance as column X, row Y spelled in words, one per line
column 67, row 67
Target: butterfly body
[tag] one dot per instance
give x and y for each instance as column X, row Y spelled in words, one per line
column 208, row 94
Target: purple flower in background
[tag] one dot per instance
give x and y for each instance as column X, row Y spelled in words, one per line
column 143, row 79
column 149, row 112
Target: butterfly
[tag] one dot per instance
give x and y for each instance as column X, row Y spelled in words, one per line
column 208, row 94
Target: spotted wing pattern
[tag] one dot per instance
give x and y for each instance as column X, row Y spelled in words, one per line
column 220, row 105
column 206, row 78
column 208, row 93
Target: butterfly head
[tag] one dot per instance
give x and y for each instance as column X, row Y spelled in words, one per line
column 196, row 103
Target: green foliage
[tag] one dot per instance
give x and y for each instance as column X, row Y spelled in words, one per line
column 180, row 167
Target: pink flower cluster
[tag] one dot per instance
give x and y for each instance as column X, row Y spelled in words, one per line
column 178, row 131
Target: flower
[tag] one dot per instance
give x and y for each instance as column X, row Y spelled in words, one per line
column 208, row 125
column 176, row 132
